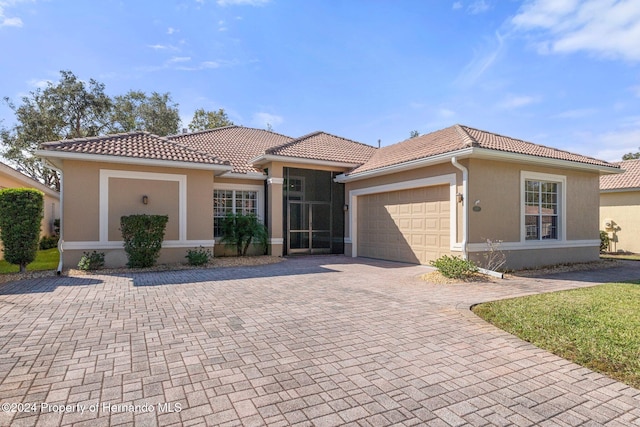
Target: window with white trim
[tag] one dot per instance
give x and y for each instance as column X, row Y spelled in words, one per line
column 236, row 201
column 541, row 209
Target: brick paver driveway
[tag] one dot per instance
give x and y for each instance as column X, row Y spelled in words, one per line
column 317, row 341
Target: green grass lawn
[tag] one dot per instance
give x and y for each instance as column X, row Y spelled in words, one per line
column 595, row 327
column 632, row 257
column 45, row 260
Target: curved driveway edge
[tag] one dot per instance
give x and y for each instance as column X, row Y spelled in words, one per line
column 317, row 341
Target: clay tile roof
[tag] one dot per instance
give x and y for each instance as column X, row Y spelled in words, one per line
column 497, row 142
column 458, row 137
column 630, row 178
column 324, row 146
column 237, row 143
column 141, row 145
column 431, row 144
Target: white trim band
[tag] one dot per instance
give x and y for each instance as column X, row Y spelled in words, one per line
column 120, row 245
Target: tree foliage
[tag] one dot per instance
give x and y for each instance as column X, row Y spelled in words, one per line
column 73, row 108
column 631, row 156
column 203, row 120
column 20, row 216
column 69, row 109
column 241, row 230
column 414, row 134
column 143, row 236
column 136, row 111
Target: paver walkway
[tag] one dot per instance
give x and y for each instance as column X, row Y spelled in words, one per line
column 318, row 341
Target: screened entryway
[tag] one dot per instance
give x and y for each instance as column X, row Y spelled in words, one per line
column 313, row 212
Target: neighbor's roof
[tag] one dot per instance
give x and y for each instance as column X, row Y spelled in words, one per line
column 238, row 144
column 630, row 178
column 27, row 180
column 324, row 146
column 459, row 137
column 135, row 145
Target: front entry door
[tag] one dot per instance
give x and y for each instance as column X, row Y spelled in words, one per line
column 309, row 227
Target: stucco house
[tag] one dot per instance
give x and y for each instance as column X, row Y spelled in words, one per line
column 11, row 178
column 441, row 193
column 620, row 207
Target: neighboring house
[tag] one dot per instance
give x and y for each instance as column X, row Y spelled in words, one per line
column 11, row 178
column 620, row 207
column 446, row 192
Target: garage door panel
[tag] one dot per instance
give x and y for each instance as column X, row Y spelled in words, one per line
column 407, row 225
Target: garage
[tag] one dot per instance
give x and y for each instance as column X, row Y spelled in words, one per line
column 407, row 225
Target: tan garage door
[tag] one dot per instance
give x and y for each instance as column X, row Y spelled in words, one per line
column 407, row 225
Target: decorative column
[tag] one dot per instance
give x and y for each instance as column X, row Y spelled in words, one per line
column 274, row 197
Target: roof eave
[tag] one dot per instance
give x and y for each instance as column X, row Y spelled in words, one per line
column 480, row 153
column 620, row 190
column 538, row 160
column 249, row 175
column 266, row 158
column 400, row 167
column 55, row 156
column 27, row 180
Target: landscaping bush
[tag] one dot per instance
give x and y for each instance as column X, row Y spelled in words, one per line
column 48, row 242
column 604, row 241
column 143, row 236
column 20, row 215
column 240, row 230
column 91, row 261
column 454, row 267
column 199, row 256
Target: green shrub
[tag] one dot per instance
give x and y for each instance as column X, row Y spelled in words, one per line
column 143, row 236
column 454, row 267
column 199, row 256
column 20, row 215
column 604, row 241
column 91, row 261
column 48, row 242
column 240, row 230
column 56, row 226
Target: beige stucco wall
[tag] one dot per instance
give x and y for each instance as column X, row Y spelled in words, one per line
column 496, row 185
column 624, row 209
column 162, row 196
column 82, row 206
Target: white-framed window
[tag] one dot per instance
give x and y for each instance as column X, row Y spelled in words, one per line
column 245, row 199
column 543, row 206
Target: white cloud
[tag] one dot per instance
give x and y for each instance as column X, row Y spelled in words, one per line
column 162, row 47
column 456, row 5
column 263, row 119
column 481, row 61
column 40, row 84
column 517, row 101
column 605, row 28
column 478, row 6
column 171, row 30
column 11, row 22
column 242, row 2
column 179, row 59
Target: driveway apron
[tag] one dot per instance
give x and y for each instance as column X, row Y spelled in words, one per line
column 315, row 341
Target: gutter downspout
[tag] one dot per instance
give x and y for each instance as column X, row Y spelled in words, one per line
column 465, row 211
column 60, row 238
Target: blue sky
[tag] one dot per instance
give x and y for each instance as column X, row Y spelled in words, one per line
column 563, row 73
